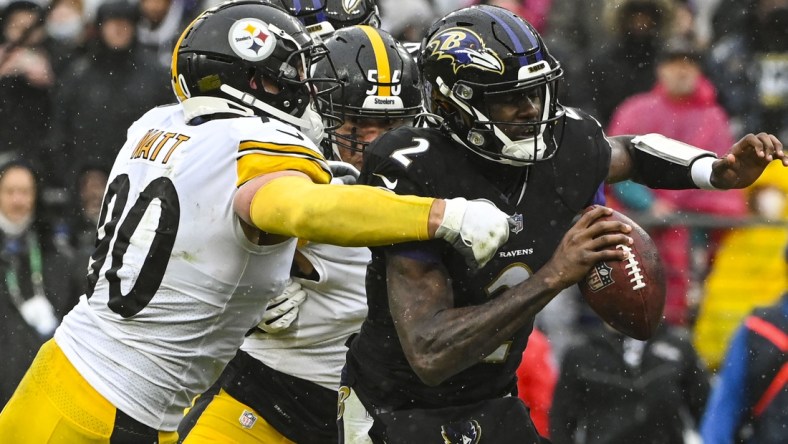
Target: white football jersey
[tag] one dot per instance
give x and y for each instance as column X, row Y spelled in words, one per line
column 313, row 347
column 174, row 284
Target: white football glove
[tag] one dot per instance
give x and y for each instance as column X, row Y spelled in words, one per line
column 283, row 309
column 343, row 173
column 476, row 228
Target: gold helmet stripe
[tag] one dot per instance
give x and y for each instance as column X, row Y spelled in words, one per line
column 381, row 59
column 176, row 84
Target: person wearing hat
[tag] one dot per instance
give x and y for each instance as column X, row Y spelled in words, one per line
column 26, row 83
column 682, row 104
column 118, row 72
column 34, row 292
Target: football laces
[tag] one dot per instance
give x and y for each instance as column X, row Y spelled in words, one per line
column 633, row 267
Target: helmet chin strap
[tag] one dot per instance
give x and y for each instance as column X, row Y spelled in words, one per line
column 309, row 123
column 527, row 149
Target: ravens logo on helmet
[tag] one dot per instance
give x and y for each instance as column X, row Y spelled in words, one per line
column 482, row 67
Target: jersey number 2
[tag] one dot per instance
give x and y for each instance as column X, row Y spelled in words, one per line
column 151, row 272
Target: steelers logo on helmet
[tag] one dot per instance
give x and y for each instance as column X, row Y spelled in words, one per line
column 465, row 49
column 251, row 39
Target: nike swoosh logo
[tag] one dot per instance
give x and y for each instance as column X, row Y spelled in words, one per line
column 296, row 135
column 390, row 184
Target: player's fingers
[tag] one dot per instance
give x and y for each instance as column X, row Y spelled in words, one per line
column 610, row 241
column 275, row 312
column 298, row 297
column 608, row 226
column 609, row 254
column 769, row 149
column 778, row 148
column 278, row 300
column 281, row 323
column 755, row 143
column 591, row 214
column 292, row 286
column 286, row 319
column 284, row 307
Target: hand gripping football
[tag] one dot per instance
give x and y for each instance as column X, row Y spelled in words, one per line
column 628, row 295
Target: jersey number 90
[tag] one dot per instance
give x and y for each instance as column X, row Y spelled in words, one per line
column 118, row 233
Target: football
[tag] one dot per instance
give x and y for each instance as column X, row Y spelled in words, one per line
column 628, row 295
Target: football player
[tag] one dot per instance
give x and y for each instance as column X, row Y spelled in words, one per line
column 435, row 359
column 323, row 17
column 197, row 232
column 282, row 385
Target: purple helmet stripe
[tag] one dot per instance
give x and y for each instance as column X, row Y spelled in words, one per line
column 321, row 16
column 510, row 32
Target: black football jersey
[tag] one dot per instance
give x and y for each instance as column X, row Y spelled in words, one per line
column 543, row 199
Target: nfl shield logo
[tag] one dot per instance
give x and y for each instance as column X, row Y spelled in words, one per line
column 600, row 277
column 247, row 419
column 516, row 223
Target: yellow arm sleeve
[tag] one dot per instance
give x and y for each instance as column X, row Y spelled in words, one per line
column 350, row 216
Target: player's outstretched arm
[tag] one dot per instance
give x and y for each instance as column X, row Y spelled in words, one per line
column 660, row 162
column 440, row 340
column 288, row 203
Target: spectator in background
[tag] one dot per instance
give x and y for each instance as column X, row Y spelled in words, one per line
column 749, row 401
column 749, row 64
column 681, row 105
column 26, row 82
column 536, row 378
column 34, row 294
column 406, row 20
column 67, row 31
column 613, row 389
column 575, row 29
column 160, row 24
column 684, row 24
column 626, row 65
column 105, row 90
column 748, row 270
column 727, row 16
column 91, row 182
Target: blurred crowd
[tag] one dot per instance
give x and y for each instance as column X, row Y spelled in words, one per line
column 74, row 74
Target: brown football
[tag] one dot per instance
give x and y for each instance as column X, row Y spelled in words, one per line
column 628, row 295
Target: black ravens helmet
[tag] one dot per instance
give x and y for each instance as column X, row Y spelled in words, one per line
column 489, row 75
column 378, row 78
column 255, row 57
column 323, row 17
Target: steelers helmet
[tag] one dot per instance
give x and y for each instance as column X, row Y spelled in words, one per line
column 477, row 60
column 253, row 55
column 378, row 79
column 323, row 17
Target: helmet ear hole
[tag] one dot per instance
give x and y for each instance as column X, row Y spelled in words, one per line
column 254, row 82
